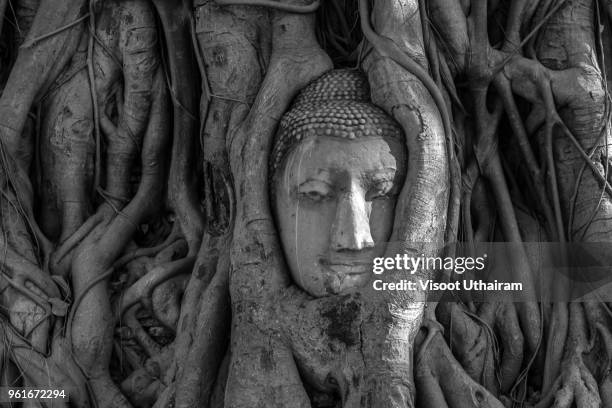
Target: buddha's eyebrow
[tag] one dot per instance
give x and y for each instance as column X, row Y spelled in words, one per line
column 320, row 175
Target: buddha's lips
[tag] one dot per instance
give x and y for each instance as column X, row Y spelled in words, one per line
column 347, row 268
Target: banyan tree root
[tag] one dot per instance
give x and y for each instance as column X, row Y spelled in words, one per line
column 296, row 59
column 421, row 213
column 472, row 342
column 234, row 70
column 58, row 369
column 36, row 66
column 145, row 384
column 85, row 348
column 230, row 64
column 67, row 150
column 195, row 378
column 540, row 77
column 29, row 297
column 549, row 79
column 576, row 384
column 92, row 338
column 441, row 380
column 487, row 342
column 182, row 72
column 26, row 289
column 127, row 60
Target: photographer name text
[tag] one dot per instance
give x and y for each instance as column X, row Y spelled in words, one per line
column 433, row 286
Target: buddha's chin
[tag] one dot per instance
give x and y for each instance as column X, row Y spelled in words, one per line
column 341, row 283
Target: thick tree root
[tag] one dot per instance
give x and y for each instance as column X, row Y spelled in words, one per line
column 576, row 384
column 58, row 369
column 441, row 380
column 296, row 60
column 142, row 290
column 175, row 20
column 472, row 342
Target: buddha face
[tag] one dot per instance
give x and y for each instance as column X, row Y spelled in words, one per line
column 334, row 204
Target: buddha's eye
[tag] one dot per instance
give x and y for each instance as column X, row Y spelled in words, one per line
column 314, row 196
column 314, row 191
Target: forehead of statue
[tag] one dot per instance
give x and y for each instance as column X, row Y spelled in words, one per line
column 325, row 155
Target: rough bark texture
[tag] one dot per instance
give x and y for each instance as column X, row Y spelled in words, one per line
column 140, row 260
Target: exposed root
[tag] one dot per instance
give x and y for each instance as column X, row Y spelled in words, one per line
column 58, row 264
column 143, row 338
column 442, row 382
column 182, row 68
column 472, row 342
column 142, row 290
column 144, row 386
column 56, row 370
column 128, row 257
column 575, row 384
column 286, row 7
column 277, row 383
column 388, row 48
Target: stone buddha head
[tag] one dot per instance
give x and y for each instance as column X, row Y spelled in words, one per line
column 337, row 167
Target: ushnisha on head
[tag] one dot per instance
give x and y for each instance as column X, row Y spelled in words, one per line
column 337, row 166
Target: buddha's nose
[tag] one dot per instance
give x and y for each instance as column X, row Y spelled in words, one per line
column 351, row 228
